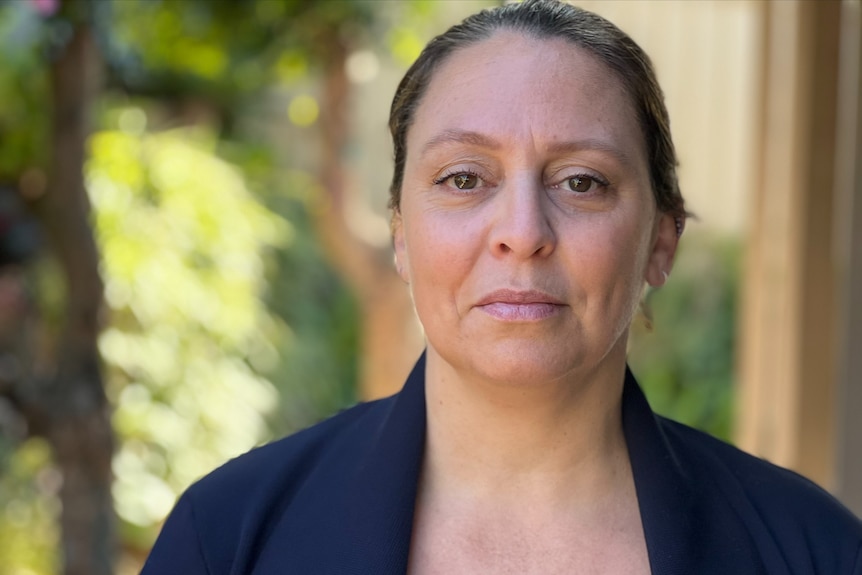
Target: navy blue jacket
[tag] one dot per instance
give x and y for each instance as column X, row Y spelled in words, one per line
column 338, row 498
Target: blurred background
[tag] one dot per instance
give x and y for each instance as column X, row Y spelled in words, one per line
column 195, row 257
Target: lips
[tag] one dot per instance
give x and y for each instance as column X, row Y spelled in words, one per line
column 516, row 305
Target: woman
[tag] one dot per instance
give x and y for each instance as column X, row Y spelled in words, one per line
column 534, row 194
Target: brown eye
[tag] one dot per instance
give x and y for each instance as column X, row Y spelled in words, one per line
column 465, row 181
column 581, row 184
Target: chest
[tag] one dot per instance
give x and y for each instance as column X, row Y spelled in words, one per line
column 447, row 543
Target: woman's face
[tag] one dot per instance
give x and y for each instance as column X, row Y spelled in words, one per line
column 527, row 224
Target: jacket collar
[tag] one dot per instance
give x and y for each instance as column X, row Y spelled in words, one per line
column 665, row 496
column 384, row 490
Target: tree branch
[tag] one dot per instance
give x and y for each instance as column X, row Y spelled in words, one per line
column 73, row 403
column 391, row 338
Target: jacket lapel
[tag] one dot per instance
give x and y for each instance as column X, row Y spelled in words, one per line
column 385, row 487
column 689, row 523
column 665, row 498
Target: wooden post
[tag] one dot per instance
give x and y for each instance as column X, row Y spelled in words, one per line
column 787, row 394
column 848, row 250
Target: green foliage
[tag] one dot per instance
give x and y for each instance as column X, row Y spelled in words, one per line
column 23, row 91
column 201, row 363
column 686, row 362
column 225, row 326
column 318, row 371
column 28, row 510
column 225, row 50
column 184, row 246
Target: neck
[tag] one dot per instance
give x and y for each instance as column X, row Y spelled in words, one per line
column 560, row 442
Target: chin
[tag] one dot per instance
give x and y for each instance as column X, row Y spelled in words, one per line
column 518, row 363
column 528, row 362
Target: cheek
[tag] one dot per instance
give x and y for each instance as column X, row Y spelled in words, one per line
column 612, row 262
column 440, row 254
column 614, row 237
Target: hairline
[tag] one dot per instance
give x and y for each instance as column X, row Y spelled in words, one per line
column 533, row 33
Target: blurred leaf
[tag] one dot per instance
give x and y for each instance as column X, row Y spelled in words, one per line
column 183, row 242
column 28, row 511
column 23, row 91
column 686, row 363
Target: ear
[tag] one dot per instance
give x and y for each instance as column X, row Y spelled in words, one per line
column 661, row 257
column 401, row 260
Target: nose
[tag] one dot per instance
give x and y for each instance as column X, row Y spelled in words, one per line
column 522, row 227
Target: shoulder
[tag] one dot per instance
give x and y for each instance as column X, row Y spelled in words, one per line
column 223, row 520
column 277, row 470
column 781, row 509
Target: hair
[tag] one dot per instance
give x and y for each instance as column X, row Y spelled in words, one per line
column 551, row 19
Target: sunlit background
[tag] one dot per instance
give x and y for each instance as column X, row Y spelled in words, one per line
column 237, row 173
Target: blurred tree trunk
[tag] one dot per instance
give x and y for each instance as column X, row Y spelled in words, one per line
column 390, row 335
column 69, row 406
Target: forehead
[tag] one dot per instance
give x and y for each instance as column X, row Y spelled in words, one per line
column 512, row 86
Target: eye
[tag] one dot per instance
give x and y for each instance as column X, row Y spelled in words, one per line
column 461, row 180
column 582, row 184
column 465, row 181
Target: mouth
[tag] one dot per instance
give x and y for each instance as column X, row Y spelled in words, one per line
column 520, row 306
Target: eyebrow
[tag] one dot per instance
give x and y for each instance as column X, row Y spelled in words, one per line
column 456, row 136
column 460, row 137
column 593, row 144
